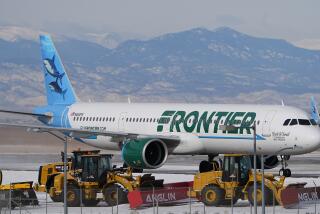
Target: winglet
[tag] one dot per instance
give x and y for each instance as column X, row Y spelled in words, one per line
column 314, row 110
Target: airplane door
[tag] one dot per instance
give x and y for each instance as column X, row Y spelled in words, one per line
column 266, row 123
column 122, row 121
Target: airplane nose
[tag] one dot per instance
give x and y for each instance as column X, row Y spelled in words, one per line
column 313, row 140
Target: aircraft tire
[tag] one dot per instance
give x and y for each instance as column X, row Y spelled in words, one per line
column 287, row 172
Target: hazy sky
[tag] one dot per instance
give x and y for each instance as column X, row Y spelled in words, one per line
column 293, row 20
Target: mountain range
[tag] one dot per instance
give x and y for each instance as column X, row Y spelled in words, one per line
column 196, row 65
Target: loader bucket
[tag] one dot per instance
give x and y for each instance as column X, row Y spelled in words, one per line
column 149, row 181
column 22, row 194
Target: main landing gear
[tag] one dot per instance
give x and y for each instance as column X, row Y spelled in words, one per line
column 284, row 170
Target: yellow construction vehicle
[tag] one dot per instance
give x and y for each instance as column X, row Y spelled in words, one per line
column 17, row 194
column 92, row 174
column 48, row 172
column 233, row 180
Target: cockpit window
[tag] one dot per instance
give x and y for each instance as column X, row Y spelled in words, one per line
column 293, row 122
column 313, row 122
column 304, row 122
column 286, row 122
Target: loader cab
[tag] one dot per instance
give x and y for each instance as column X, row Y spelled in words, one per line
column 77, row 155
column 236, row 168
column 93, row 166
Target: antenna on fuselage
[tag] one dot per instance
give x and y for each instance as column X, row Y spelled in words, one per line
column 129, row 100
column 282, row 102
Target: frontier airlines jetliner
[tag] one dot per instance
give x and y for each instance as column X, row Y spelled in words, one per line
column 146, row 133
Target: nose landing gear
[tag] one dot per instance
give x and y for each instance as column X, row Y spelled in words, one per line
column 284, row 171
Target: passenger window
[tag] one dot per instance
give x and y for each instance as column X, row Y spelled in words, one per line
column 304, row 122
column 286, row 122
column 127, row 119
column 144, row 119
column 258, row 122
column 293, row 122
column 114, row 119
column 147, row 120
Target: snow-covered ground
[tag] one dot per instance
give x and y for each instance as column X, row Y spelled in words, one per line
column 46, row 205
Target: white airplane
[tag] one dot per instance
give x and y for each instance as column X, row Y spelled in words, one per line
column 146, row 133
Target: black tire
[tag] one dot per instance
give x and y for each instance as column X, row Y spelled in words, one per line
column 287, row 172
column 268, row 195
column 235, row 198
column 90, row 202
column 56, row 198
column 73, row 196
column 212, row 195
column 110, row 195
column 205, row 166
column 0, row 177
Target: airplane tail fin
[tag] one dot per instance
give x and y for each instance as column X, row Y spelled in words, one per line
column 314, row 111
column 58, row 86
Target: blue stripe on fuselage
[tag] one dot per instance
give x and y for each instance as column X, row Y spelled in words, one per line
column 258, row 137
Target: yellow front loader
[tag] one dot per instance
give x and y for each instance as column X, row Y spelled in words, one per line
column 234, row 180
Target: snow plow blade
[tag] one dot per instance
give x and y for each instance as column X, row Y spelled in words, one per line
column 170, row 193
column 17, row 194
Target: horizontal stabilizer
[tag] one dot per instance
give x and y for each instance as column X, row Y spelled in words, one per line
column 25, row 113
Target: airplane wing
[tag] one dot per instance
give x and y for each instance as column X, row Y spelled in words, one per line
column 25, row 113
column 79, row 133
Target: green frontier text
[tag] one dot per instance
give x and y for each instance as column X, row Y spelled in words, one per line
column 206, row 122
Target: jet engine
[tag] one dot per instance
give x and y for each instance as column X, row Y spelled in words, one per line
column 270, row 162
column 145, row 153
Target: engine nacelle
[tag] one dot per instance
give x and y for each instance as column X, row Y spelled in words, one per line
column 270, row 162
column 145, row 153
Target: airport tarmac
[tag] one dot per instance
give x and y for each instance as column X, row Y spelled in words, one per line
column 307, row 165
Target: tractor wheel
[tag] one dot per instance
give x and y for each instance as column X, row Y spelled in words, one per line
column 91, row 202
column 73, row 196
column 212, row 195
column 111, row 196
column 56, row 198
column 268, row 195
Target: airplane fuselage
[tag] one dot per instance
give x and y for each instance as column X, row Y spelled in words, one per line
column 198, row 126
